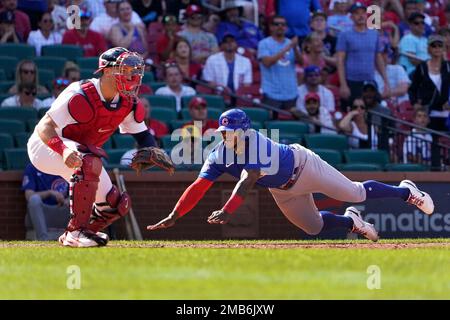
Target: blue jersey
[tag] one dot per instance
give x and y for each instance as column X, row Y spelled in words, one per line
column 276, row 161
column 35, row 180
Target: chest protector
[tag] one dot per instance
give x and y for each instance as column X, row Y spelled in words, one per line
column 96, row 121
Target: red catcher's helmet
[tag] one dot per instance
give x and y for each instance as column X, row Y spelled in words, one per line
column 193, row 9
column 197, row 101
column 128, row 69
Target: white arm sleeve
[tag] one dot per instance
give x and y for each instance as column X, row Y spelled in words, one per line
column 129, row 125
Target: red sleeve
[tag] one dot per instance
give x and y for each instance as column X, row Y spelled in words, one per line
column 192, row 196
column 161, row 44
column 101, row 43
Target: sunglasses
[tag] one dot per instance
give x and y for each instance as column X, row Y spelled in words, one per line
column 279, row 24
column 62, row 82
column 419, row 22
column 29, row 93
column 437, row 45
column 28, row 71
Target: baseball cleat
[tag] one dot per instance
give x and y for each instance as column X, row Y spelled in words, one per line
column 420, row 199
column 360, row 226
column 83, row 238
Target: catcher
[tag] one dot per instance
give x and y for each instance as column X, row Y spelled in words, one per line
column 67, row 142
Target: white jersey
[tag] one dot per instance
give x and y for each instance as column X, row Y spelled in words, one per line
column 59, row 111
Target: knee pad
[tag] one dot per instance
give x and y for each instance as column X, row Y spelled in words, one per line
column 83, row 188
column 116, row 206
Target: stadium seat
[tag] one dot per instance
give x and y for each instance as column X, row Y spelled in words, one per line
column 42, row 111
column 148, row 77
column 288, row 138
column 331, row 156
column 213, row 113
column 5, row 85
column 114, row 155
column 52, row 63
column 88, row 63
column 19, row 51
column 156, row 85
column 18, row 113
column 257, row 125
column 108, row 145
column 251, row 92
column 123, row 141
column 8, row 65
column 405, row 167
column 21, row 139
column 30, row 124
column 16, row 159
column 6, row 142
column 360, row 167
column 175, row 124
column 213, row 101
column 161, row 101
column 88, row 74
column 2, row 75
column 163, row 114
column 257, row 114
column 378, row 157
column 326, row 141
column 167, row 143
column 11, row 126
column 287, row 128
column 70, row 52
column 46, row 77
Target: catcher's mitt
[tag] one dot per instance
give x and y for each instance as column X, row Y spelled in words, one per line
column 148, row 157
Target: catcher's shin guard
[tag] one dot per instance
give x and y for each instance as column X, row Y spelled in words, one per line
column 116, row 206
column 83, row 187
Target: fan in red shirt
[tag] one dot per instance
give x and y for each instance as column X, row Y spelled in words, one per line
column 167, row 40
column 92, row 42
column 157, row 128
column 198, row 109
column 183, row 57
column 22, row 23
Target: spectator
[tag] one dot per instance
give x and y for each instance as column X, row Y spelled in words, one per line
column 148, row 10
column 410, row 6
column 314, row 52
column 277, row 56
column 445, row 33
column 182, row 56
column 104, row 22
column 59, row 84
column 312, row 85
column 447, row 16
column 22, row 23
column 429, row 21
column 354, row 123
column 430, row 84
column 397, row 78
column 203, row 43
column 47, row 199
column 25, row 98
column 316, row 113
column 319, row 27
column 71, row 72
column 417, row 146
column 212, row 23
column 178, row 8
column 166, row 42
column 227, row 68
column 126, row 34
column 339, row 20
column 157, row 128
column 44, row 35
column 247, row 34
column 92, row 42
column 298, row 15
column 358, row 55
column 8, row 33
column 26, row 71
column 413, row 46
column 198, row 110
column 96, row 7
column 59, row 16
column 174, row 87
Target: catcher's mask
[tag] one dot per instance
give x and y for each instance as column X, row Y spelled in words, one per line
column 128, row 72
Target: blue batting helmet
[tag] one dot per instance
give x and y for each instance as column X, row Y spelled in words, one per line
column 233, row 119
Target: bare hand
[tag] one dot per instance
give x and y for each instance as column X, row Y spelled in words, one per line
column 219, row 217
column 59, row 197
column 294, row 42
column 72, row 159
column 386, row 92
column 167, row 222
column 344, row 91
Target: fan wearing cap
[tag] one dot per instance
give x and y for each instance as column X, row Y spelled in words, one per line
column 430, row 84
column 93, row 43
column 322, row 121
column 203, row 43
column 228, row 68
column 7, row 31
column 68, row 142
column 59, row 84
column 247, row 34
column 198, row 110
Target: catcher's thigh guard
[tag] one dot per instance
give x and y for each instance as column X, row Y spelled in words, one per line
column 116, row 206
column 83, row 187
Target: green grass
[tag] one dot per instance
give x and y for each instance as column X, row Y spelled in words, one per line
column 39, row 271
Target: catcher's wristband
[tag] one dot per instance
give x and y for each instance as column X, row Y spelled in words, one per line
column 233, row 203
column 57, row 145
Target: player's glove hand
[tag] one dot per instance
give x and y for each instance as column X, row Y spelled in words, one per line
column 219, row 217
column 167, row 222
column 146, row 158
